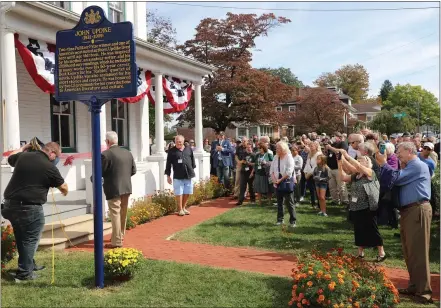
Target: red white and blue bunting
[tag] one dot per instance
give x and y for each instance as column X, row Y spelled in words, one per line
column 39, row 60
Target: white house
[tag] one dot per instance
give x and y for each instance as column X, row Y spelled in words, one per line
column 29, row 112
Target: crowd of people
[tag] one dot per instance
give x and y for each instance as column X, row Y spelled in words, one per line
column 379, row 179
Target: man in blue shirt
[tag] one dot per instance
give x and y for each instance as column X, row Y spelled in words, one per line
column 413, row 183
column 424, row 155
column 221, row 153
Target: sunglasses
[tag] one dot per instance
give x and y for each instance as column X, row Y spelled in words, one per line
column 427, row 148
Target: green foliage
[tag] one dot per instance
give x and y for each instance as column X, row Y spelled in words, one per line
column 353, row 80
column 385, row 122
column 165, row 199
column 386, row 88
column 144, row 211
column 411, row 99
column 285, row 75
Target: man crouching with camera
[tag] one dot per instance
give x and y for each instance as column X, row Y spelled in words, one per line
column 34, row 173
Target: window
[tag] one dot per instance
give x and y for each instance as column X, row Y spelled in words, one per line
column 369, row 118
column 241, row 131
column 116, row 11
column 252, row 131
column 120, row 123
column 62, row 4
column 292, row 108
column 63, row 124
column 266, row 130
column 278, row 108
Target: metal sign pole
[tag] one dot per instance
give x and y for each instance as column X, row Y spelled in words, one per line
column 95, row 110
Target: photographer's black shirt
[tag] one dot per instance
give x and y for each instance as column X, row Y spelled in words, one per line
column 332, row 157
column 183, row 163
column 33, row 175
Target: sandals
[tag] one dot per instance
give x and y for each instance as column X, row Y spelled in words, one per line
column 381, row 258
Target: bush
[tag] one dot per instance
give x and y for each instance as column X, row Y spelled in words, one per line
column 143, row 211
column 166, row 199
column 341, row 280
column 8, row 245
column 198, row 194
column 131, row 223
column 121, row 262
column 436, row 186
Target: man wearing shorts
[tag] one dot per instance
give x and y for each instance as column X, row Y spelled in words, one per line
column 182, row 160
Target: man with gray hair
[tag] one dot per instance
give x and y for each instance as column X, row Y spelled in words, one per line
column 118, row 166
column 182, row 160
column 414, row 193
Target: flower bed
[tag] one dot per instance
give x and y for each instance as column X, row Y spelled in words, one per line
column 8, row 245
column 341, row 280
column 121, row 263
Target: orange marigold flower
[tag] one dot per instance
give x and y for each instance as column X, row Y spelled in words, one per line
column 310, row 273
column 350, row 299
column 309, row 283
column 327, row 276
column 321, row 298
column 304, row 301
column 341, row 281
column 299, row 305
column 373, row 296
column 356, row 305
column 331, row 286
column 335, row 306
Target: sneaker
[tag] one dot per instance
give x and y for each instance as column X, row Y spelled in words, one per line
column 20, row 280
column 324, row 215
column 186, row 212
column 320, row 214
column 292, row 225
column 181, row 213
column 279, row 223
column 301, row 199
column 297, row 204
column 239, row 203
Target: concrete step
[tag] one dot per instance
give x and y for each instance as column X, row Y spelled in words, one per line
column 78, row 229
column 72, row 205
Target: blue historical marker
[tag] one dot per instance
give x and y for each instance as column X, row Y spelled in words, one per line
column 95, row 62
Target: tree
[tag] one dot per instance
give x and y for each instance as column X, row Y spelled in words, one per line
column 320, row 110
column 353, row 80
column 236, row 92
column 285, row 75
column 385, row 122
column 386, row 88
column 160, row 30
column 416, row 102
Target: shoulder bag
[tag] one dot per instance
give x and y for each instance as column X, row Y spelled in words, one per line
column 287, row 185
column 372, row 190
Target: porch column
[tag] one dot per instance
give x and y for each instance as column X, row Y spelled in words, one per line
column 258, row 130
column 160, row 156
column 202, row 158
column 198, row 118
column 159, row 114
column 103, row 125
column 10, row 92
column 145, row 133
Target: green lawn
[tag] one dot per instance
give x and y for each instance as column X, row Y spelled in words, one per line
column 156, row 284
column 253, row 226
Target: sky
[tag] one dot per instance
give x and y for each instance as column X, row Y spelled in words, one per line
column 401, row 45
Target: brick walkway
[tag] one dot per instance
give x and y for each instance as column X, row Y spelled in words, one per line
column 151, row 239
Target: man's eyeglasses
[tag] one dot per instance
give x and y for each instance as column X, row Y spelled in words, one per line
column 427, row 149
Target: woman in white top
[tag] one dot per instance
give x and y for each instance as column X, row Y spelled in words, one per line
column 314, row 151
column 282, row 168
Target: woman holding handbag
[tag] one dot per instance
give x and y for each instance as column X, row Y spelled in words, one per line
column 314, row 151
column 282, row 169
column 365, row 191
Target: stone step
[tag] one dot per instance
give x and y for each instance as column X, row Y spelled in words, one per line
column 78, row 229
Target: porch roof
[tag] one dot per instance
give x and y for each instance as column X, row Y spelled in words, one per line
column 51, row 18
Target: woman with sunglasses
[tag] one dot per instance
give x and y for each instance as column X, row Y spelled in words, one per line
column 366, row 231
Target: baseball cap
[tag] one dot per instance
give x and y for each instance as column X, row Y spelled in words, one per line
column 393, row 136
column 429, row 145
column 406, row 134
column 222, row 133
